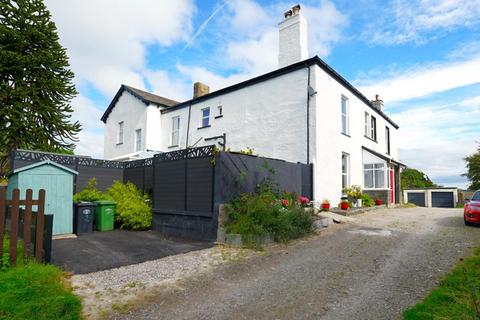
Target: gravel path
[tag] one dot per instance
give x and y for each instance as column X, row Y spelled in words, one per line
column 370, row 269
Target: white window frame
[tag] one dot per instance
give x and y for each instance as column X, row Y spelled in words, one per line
column 345, row 102
column 367, row 124
column 207, row 118
column 375, row 169
column 175, row 134
column 346, row 173
column 373, row 128
column 120, row 128
column 138, row 140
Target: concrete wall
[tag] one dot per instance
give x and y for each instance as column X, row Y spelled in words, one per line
column 331, row 143
column 269, row 117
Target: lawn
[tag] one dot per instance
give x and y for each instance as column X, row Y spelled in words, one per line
column 457, row 296
column 35, row 291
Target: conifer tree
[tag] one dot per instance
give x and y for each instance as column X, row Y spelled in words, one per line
column 36, row 85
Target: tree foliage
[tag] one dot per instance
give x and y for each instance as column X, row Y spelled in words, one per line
column 35, row 82
column 413, row 178
column 473, row 170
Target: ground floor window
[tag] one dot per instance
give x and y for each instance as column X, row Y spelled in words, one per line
column 374, row 175
column 345, row 170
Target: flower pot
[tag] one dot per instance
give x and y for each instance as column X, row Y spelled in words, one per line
column 344, row 205
column 325, row 206
column 378, row 202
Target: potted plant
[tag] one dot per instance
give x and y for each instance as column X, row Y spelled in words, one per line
column 378, row 202
column 325, row 204
column 355, row 194
column 344, row 205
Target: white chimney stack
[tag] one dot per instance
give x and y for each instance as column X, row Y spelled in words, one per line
column 292, row 38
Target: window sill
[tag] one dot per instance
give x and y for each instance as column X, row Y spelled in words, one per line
column 119, row 143
column 203, row 127
column 370, row 139
column 346, row 134
column 218, row 117
column 376, row 189
column 173, row 146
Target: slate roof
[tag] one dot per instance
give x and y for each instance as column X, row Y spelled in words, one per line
column 144, row 96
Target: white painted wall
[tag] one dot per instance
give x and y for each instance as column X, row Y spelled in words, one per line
column 330, row 142
column 133, row 113
column 269, row 117
column 293, row 42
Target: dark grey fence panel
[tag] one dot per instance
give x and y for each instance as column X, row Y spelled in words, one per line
column 199, row 185
column 237, row 173
column 105, row 177
column 169, row 190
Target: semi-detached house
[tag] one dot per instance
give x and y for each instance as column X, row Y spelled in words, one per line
column 302, row 112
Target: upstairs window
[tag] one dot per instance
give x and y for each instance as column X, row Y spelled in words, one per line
column 373, row 128
column 205, row 117
column 175, row 131
column 387, row 140
column 120, row 133
column 374, row 175
column 138, row 140
column 367, row 124
column 345, row 129
column 220, row 111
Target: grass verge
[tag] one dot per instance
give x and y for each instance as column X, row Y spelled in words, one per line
column 36, row 291
column 457, row 296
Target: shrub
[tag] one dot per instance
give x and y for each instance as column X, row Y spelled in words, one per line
column 36, row 291
column 90, row 193
column 133, row 211
column 367, row 201
column 257, row 215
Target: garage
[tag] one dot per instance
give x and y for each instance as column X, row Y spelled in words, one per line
column 417, row 198
column 434, row 197
column 443, row 199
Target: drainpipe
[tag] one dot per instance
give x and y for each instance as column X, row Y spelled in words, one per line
column 308, row 114
column 188, row 124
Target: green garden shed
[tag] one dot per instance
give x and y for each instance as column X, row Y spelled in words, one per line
column 57, row 181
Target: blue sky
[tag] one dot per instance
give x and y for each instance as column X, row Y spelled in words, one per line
column 421, row 56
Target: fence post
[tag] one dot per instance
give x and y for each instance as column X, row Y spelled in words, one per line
column 27, row 222
column 40, row 225
column 3, row 213
column 14, row 226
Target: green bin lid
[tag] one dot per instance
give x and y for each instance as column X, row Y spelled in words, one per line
column 105, row 202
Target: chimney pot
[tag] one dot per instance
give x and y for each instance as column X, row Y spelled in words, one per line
column 378, row 103
column 200, row 89
column 296, row 9
column 288, row 14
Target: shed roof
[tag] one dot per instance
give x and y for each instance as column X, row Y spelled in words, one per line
column 42, row 163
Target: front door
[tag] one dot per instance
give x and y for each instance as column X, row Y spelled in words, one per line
column 392, row 185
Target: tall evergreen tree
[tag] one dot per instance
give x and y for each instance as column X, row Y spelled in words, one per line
column 473, row 170
column 35, row 82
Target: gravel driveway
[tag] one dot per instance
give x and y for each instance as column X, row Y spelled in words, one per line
column 370, row 269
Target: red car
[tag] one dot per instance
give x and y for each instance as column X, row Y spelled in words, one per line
column 471, row 210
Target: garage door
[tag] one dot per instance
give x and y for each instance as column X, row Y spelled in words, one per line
column 416, row 198
column 442, row 199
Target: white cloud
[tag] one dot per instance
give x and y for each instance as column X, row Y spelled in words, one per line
column 435, row 138
column 88, row 114
column 167, row 86
column 412, row 21
column 106, row 40
column 421, row 81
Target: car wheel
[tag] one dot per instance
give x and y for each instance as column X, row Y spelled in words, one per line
column 467, row 223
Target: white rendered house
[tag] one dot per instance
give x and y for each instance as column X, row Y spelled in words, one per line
column 302, row 112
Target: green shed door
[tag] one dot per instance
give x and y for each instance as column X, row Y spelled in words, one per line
column 58, row 198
